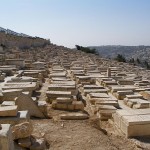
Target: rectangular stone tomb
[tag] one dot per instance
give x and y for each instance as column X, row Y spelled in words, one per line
column 92, row 87
column 137, row 125
column 8, row 103
column 106, row 83
column 6, row 139
column 87, row 91
column 60, row 87
column 138, row 103
column 135, row 96
column 122, row 94
column 64, row 100
column 24, row 86
column 11, row 94
column 106, row 102
column 98, row 95
column 22, row 116
column 118, row 88
column 8, row 111
column 55, row 94
column 74, row 116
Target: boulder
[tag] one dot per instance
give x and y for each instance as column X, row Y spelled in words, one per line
column 24, row 142
column 22, row 130
column 38, row 144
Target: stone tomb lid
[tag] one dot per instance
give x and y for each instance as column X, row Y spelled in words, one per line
column 106, row 107
column 136, row 119
column 12, row 90
column 8, row 111
column 8, row 103
column 60, row 79
column 93, row 87
column 99, row 95
column 64, row 82
column 59, row 92
column 139, row 101
column 121, row 88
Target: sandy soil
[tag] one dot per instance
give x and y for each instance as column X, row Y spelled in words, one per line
column 79, row 135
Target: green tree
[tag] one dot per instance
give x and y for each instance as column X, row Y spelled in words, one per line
column 131, row 60
column 138, row 61
column 120, row 58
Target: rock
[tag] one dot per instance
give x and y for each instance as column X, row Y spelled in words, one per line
column 38, row 144
column 17, row 147
column 25, row 102
column 24, row 142
column 74, row 116
column 22, row 130
column 6, row 139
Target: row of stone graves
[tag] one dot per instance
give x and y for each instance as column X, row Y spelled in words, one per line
column 18, row 105
column 79, row 84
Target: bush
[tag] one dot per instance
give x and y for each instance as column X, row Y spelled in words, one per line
column 120, row 58
column 86, row 49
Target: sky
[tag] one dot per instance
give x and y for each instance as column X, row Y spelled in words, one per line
column 80, row 22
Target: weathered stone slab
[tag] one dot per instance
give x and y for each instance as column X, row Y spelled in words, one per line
column 8, row 103
column 55, row 94
column 135, row 96
column 6, row 140
column 87, row 91
column 126, row 82
column 25, row 102
column 145, row 94
column 64, row 100
column 130, row 125
column 11, row 94
column 60, row 87
column 105, row 102
column 122, row 94
column 118, row 88
column 98, row 95
column 8, row 111
column 22, row 116
column 93, row 87
column 74, row 116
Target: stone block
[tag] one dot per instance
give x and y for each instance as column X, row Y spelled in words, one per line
column 22, row 116
column 74, row 116
column 78, row 105
column 8, row 103
column 6, row 111
column 6, row 140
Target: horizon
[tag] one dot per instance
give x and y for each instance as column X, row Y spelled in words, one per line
column 85, row 23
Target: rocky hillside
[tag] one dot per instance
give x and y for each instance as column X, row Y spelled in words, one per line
column 22, row 41
column 141, row 52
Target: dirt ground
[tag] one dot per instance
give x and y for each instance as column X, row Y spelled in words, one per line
column 79, row 135
column 83, row 134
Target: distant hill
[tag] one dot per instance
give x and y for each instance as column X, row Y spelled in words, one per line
column 10, row 39
column 111, row 51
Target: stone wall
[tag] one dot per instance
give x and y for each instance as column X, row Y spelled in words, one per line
column 22, row 42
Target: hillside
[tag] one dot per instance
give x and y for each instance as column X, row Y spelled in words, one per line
column 110, row 51
column 11, row 39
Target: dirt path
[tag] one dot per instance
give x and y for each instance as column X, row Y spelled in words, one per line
column 43, row 90
column 79, row 135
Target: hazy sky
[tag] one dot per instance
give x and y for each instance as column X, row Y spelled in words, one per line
column 82, row 22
